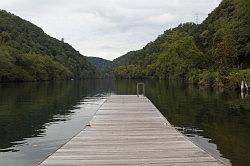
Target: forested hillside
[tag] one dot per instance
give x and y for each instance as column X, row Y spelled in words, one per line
column 215, row 52
column 28, row 54
column 103, row 66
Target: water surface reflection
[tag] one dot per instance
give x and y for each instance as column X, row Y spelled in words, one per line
column 36, row 118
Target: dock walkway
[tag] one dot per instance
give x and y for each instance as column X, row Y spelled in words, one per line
column 129, row 130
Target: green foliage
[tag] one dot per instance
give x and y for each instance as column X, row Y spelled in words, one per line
column 130, row 71
column 29, row 67
column 213, row 52
column 227, row 79
column 28, row 54
column 194, row 76
column 179, row 55
column 230, row 19
column 210, row 77
column 235, row 77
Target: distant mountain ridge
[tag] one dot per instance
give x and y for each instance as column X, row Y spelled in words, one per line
column 103, row 66
column 100, row 63
column 28, row 54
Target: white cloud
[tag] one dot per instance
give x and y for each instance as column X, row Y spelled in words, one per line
column 108, row 28
column 161, row 19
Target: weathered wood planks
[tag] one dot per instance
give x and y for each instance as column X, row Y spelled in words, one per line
column 129, row 130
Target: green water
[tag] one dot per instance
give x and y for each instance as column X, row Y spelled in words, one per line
column 36, row 118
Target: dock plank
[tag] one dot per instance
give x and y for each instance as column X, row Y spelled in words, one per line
column 129, row 130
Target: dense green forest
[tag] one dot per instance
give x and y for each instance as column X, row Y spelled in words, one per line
column 215, row 52
column 103, row 66
column 28, row 54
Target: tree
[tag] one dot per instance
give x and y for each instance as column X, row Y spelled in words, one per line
column 179, row 55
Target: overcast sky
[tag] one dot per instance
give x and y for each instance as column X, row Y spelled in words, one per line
column 108, row 28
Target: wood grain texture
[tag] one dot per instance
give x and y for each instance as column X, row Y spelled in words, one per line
column 129, row 130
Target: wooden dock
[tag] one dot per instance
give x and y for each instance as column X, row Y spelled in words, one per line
column 129, row 130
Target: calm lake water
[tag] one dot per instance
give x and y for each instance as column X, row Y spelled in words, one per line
column 37, row 118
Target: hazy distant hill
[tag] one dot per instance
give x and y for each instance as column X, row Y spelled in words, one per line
column 216, row 52
column 103, row 66
column 28, row 54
